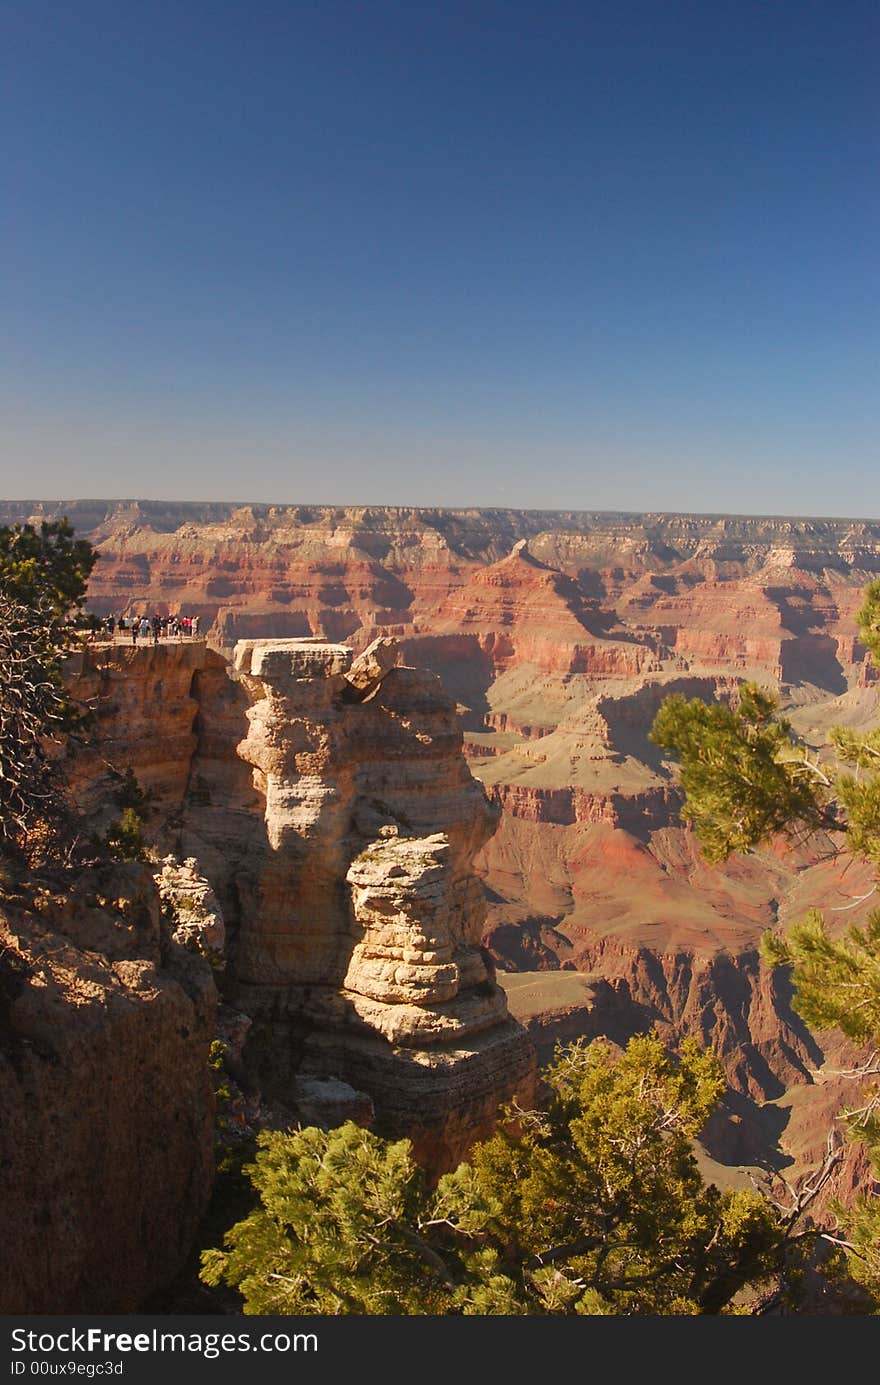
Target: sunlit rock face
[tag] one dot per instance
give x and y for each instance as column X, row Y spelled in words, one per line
column 365, row 916
column 143, row 710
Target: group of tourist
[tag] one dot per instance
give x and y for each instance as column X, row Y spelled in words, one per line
column 153, row 628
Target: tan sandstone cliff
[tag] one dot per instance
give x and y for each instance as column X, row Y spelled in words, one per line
column 365, row 917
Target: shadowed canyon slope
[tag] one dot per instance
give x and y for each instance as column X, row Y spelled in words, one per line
column 558, row 634
column 107, row 1131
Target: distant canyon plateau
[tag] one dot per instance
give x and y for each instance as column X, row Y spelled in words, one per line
column 566, row 898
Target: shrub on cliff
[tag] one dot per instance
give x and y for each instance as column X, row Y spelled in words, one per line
column 594, row 1206
column 124, row 839
column 747, row 777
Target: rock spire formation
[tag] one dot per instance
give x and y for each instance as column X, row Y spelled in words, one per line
column 365, row 917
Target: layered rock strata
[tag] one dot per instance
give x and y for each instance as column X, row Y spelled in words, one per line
column 319, row 800
column 587, row 849
column 759, row 593
column 366, row 916
column 142, row 706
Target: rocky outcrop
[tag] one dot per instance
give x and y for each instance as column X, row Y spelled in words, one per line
column 647, row 809
column 142, row 719
column 191, row 908
column 416, row 930
column 106, row 1139
column 327, row 822
column 730, row 1002
column 320, row 825
column 365, row 918
column 332, row 773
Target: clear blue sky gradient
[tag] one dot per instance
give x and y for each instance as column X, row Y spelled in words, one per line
column 586, row 255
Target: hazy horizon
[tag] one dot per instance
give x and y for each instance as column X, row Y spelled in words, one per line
column 224, row 502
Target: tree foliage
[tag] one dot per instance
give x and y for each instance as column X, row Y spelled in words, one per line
column 43, row 577
column 837, row 985
column 869, row 619
column 124, row 839
column 34, row 711
column 595, row 1205
column 746, row 777
column 45, row 566
column 838, row 979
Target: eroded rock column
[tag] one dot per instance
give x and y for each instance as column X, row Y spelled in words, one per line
column 366, row 915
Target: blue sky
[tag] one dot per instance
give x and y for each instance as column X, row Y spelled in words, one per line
column 612, row 255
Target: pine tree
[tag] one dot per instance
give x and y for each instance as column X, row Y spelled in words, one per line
column 595, row 1205
column 45, row 566
column 35, row 712
column 43, row 578
column 746, row 777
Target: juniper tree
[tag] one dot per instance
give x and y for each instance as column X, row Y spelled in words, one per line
column 43, row 579
column 46, row 566
column 743, row 775
column 34, row 711
column 746, row 777
column 595, row 1205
